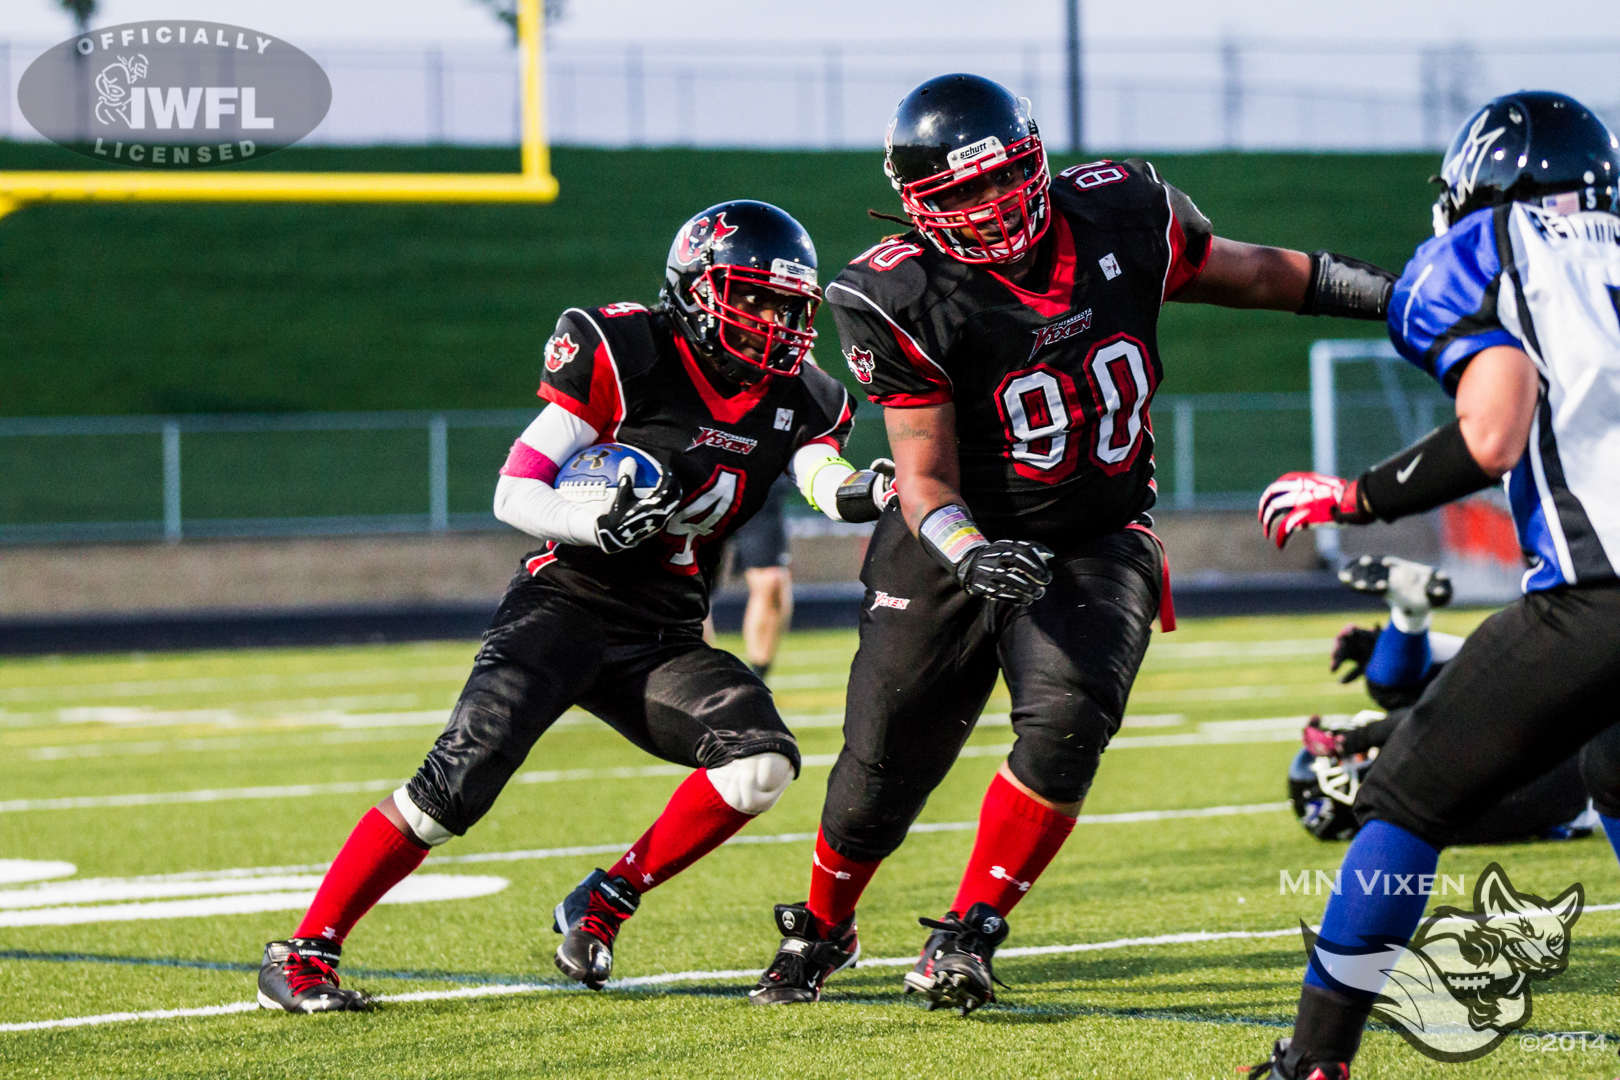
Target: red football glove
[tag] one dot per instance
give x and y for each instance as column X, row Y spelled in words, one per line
column 1320, row 742
column 1298, row 500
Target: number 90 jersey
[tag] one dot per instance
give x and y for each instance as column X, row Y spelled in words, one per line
column 1051, row 377
column 629, row 374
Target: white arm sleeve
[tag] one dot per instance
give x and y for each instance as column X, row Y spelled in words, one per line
column 533, row 505
column 537, row 509
column 818, row 470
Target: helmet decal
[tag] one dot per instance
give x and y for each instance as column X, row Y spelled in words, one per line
column 697, row 235
column 1457, row 172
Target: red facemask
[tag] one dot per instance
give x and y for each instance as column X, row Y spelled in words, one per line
column 996, row 231
column 783, row 346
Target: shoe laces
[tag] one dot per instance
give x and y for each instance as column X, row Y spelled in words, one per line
column 969, row 940
column 307, row 972
column 601, row 919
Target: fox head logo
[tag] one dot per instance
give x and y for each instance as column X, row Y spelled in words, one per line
column 1462, row 984
column 699, row 235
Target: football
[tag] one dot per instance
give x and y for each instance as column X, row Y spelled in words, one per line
column 591, row 477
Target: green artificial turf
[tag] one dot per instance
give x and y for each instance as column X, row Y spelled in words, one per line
column 122, row 725
column 207, row 307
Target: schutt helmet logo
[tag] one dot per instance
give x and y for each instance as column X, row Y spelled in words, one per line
column 560, row 350
column 699, row 235
column 860, row 362
column 1463, row 982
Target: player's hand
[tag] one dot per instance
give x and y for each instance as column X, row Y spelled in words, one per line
column 1353, row 646
column 633, row 520
column 1012, row 571
column 1299, row 500
column 866, row 493
column 1319, row 742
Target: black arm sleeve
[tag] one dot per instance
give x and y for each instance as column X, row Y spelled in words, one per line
column 1347, row 287
column 1360, row 740
column 1433, row 471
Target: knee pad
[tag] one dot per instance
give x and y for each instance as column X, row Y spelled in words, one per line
column 1600, row 771
column 751, row 785
column 1059, row 761
column 717, row 748
column 427, row 830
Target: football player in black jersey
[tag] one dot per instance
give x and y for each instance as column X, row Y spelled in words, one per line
column 717, row 385
column 1011, row 336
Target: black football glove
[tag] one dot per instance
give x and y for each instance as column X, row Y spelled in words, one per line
column 866, row 493
column 1354, row 646
column 632, row 520
column 1012, row 571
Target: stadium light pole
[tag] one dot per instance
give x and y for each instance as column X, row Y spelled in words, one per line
column 1076, row 104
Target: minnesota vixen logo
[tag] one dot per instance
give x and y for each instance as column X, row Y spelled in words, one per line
column 1462, row 984
column 899, row 603
column 1074, row 324
column 698, row 235
column 860, row 362
column 559, row 351
column 725, row 440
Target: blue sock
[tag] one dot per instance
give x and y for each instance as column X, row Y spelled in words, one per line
column 1611, row 829
column 1355, row 914
column 1398, row 659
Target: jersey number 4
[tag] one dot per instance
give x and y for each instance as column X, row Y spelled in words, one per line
column 703, row 515
column 1045, row 422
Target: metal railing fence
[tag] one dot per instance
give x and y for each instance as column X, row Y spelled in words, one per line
column 1156, row 94
column 77, row 479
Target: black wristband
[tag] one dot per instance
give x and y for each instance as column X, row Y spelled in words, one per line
column 1346, row 287
column 854, row 500
column 1433, row 471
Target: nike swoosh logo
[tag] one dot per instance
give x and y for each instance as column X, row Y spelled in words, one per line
column 1402, row 475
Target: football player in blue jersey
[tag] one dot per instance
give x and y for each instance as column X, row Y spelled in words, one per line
column 1512, row 309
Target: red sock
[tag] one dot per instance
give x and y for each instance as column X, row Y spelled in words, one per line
column 1017, row 838
column 696, row 821
column 836, row 884
column 374, row 859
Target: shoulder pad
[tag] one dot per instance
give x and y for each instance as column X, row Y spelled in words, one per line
column 827, row 392
column 627, row 329
column 893, row 272
column 1107, row 188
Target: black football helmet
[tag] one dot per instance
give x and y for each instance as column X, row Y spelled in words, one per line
column 1534, row 146
column 740, row 282
column 1322, row 791
column 956, row 139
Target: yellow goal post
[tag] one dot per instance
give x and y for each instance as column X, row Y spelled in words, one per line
column 533, row 184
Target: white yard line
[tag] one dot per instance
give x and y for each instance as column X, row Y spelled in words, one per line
column 1192, row 937
column 644, row 981
column 1278, row 729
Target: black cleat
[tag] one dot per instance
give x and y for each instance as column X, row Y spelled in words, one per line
column 1278, row 1067
column 954, row 969
column 1402, row 582
column 589, row 919
column 805, row 958
column 299, row 975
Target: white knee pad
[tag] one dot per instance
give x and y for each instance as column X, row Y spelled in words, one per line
column 427, row 830
column 752, row 785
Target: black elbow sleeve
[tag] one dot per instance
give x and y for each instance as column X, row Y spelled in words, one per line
column 1433, row 471
column 1346, row 287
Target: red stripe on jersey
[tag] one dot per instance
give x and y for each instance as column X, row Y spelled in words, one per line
column 527, row 463
column 922, row 366
column 542, row 560
column 1167, row 603
column 913, row 401
column 825, row 440
column 728, row 410
column 1182, row 272
column 606, row 407
column 1059, row 294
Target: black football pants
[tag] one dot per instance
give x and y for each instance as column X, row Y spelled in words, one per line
column 665, row 690
column 928, row 659
column 1535, row 682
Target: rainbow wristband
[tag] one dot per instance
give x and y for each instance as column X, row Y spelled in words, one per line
column 950, row 535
